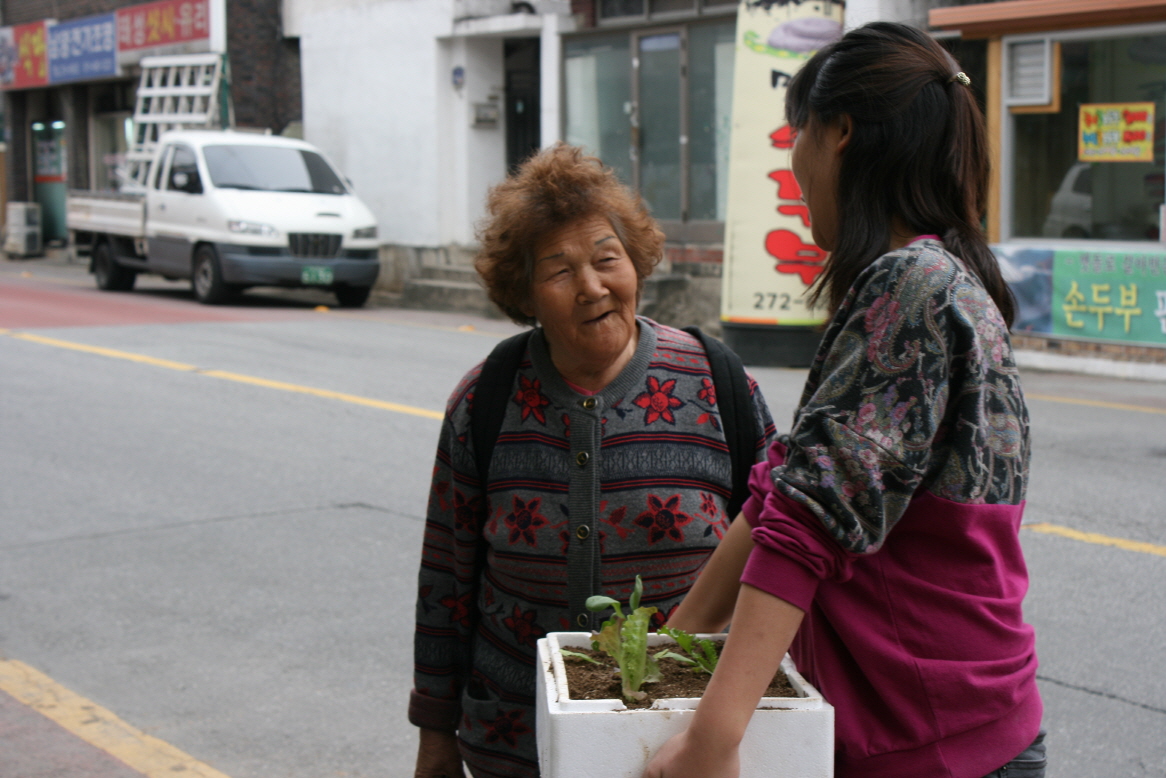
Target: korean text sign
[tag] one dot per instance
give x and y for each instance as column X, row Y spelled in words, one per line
column 770, row 256
column 163, row 23
column 1111, row 295
column 82, row 48
column 24, row 56
column 1115, row 132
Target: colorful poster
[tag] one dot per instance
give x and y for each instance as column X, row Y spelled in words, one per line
column 770, row 257
column 1115, row 132
column 82, row 48
column 24, row 56
column 163, row 23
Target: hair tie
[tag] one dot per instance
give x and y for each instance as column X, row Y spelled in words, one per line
column 962, row 77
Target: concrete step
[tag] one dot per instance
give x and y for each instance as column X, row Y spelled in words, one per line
column 438, row 294
column 450, row 273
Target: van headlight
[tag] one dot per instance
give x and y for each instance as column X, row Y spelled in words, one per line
column 365, row 233
column 252, row 228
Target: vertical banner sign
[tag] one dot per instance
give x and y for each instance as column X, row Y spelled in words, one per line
column 164, row 23
column 1115, row 132
column 82, row 48
column 24, row 56
column 770, row 256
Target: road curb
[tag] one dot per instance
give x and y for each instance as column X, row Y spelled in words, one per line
column 1141, row 371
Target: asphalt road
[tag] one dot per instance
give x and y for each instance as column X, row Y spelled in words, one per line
column 206, row 532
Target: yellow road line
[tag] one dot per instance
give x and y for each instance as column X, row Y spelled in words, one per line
column 1100, row 540
column 1095, row 403
column 98, row 726
column 227, row 376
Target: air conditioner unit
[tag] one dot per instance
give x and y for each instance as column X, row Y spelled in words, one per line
column 24, row 230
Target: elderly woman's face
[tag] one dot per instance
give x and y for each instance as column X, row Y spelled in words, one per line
column 583, row 293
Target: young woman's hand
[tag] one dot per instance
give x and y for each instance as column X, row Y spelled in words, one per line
column 681, row 758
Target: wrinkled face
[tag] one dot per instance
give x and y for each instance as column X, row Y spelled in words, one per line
column 815, row 161
column 583, row 292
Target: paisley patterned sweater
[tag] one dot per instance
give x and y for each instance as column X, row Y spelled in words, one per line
column 890, row 515
column 583, row 494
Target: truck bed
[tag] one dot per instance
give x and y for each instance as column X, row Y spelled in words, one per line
column 112, row 213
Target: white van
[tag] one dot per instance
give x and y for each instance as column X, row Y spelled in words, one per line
column 230, row 210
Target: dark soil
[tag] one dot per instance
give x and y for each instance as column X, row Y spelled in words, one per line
column 586, row 681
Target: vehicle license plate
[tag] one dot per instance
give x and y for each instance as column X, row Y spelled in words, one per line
column 316, row 274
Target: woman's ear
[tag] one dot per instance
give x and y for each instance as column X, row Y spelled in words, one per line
column 845, row 132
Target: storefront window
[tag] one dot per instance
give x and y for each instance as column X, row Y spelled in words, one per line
column 662, row 121
column 1060, row 190
column 660, row 130
column 113, row 134
column 599, row 99
column 710, row 103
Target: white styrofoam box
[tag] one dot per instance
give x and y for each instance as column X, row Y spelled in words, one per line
column 788, row 736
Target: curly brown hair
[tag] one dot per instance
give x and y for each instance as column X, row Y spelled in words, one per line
column 553, row 189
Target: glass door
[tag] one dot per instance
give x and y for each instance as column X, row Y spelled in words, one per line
column 658, row 142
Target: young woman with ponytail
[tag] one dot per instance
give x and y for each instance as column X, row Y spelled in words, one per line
column 880, row 545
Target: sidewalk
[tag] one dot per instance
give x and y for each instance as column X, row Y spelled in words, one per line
column 1029, row 354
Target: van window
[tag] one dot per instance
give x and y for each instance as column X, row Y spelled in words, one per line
column 271, row 168
column 184, row 172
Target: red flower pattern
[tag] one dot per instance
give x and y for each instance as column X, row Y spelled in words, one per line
column 531, row 399
column 663, row 519
column 658, row 401
column 506, row 728
column 525, row 521
column 708, row 391
column 465, row 512
column 459, row 608
column 522, row 624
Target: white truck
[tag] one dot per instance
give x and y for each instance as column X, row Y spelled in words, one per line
column 229, row 210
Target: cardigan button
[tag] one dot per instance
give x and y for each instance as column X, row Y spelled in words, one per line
column 583, row 532
column 589, row 403
column 581, row 458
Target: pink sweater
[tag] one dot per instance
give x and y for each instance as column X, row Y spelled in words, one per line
column 921, row 648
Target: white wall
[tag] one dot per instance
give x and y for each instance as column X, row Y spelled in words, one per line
column 370, row 83
column 473, row 158
column 859, row 12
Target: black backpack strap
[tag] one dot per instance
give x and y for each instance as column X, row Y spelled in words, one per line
column 491, row 395
column 737, row 419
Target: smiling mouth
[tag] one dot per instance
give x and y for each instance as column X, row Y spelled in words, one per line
column 599, row 318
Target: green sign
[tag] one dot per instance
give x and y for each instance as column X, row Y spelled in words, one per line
column 1110, row 295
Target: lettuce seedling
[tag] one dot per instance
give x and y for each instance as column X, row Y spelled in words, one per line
column 702, row 652
column 625, row 639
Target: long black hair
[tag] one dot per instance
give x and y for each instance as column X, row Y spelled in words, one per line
column 918, row 152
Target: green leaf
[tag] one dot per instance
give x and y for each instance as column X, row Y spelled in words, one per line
column 637, row 594
column 577, row 655
column 598, row 602
column 607, row 640
column 633, row 664
column 666, row 654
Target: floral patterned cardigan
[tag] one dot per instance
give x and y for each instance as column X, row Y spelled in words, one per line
column 584, row 493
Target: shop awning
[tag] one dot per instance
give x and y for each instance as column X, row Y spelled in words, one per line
column 989, row 20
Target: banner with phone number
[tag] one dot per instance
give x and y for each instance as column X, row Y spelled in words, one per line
column 770, row 256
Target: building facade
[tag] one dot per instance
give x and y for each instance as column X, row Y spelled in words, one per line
column 69, row 74
column 1075, row 100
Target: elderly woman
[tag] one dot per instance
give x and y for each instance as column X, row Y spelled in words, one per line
column 611, row 461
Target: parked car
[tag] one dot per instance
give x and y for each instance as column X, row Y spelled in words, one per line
column 1071, row 210
column 229, row 210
